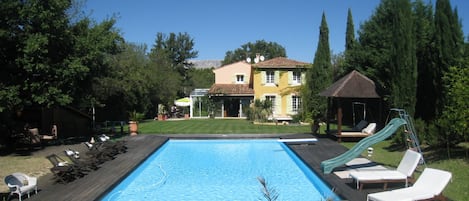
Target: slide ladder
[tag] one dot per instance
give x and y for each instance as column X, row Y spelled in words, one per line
column 410, row 131
column 328, row 165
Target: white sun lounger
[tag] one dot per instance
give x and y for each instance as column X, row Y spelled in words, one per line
column 403, row 172
column 429, row 185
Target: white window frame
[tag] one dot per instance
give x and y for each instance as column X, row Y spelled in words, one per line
column 296, row 103
column 296, row 77
column 240, row 78
column 272, row 99
column 270, row 77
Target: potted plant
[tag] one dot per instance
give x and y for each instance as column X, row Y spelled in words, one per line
column 134, row 117
column 161, row 112
column 186, row 112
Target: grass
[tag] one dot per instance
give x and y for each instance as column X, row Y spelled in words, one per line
column 217, row 126
column 389, row 155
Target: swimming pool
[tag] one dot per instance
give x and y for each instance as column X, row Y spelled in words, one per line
column 221, row 170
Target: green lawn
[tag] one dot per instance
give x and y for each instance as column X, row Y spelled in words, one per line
column 217, row 126
column 383, row 152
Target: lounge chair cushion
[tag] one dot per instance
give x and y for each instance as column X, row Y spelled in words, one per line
column 370, row 129
column 362, row 124
column 429, row 185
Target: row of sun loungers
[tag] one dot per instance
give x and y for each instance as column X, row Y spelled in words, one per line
column 76, row 167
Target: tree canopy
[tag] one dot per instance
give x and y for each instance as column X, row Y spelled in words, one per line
column 249, row 50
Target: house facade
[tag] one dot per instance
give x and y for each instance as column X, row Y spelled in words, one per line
column 279, row 80
column 232, row 91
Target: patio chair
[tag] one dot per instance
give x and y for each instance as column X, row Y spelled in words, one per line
column 103, row 149
column 403, row 173
column 86, row 165
column 21, row 184
column 63, row 171
column 429, row 186
column 52, row 135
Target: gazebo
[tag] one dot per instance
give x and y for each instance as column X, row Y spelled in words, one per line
column 354, row 89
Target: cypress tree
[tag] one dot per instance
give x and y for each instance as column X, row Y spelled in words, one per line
column 423, row 29
column 449, row 42
column 350, row 32
column 320, row 75
column 350, row 43
column 403, row 66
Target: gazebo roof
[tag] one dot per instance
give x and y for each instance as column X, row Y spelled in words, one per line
column 353, row 85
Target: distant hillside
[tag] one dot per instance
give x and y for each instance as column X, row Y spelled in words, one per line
column 206, row 63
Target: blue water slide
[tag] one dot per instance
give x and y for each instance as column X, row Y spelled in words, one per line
column 328, row 165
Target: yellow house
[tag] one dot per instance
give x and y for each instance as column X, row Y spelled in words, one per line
column 279, row 80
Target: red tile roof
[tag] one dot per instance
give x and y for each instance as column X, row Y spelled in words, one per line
column 280, row 62
column 231, row 90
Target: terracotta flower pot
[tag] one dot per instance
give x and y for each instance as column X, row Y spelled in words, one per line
column 161, row 117
column 133, row 128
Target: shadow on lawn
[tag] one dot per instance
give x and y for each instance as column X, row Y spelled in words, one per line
column 433, row 154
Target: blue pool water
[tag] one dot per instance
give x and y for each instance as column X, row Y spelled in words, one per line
column 221, row 170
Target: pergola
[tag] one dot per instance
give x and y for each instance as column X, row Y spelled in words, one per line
column 352, row 86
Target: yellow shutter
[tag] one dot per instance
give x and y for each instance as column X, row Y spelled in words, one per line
column 278, row 104
column 263, row 77
column 277, row 77
column 290, row 77
column 303, row 77
column 289, row 104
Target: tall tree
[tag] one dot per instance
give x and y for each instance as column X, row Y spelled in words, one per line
column 319, row 76
column 449, row 42
column 126, row 86
column 202, row 78
column 10, row 35
column 386, row 53
column 95, row 47
column 403, row 64
column 249, row 50
column 350, row 43
column 177, row 50
column 36, row 45
column 426, row 91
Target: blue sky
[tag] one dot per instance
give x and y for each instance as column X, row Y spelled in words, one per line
column 218, row 26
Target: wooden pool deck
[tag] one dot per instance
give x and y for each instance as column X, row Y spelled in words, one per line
column 96, row 183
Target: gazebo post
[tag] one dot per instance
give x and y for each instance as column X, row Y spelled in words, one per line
column 339, row 119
